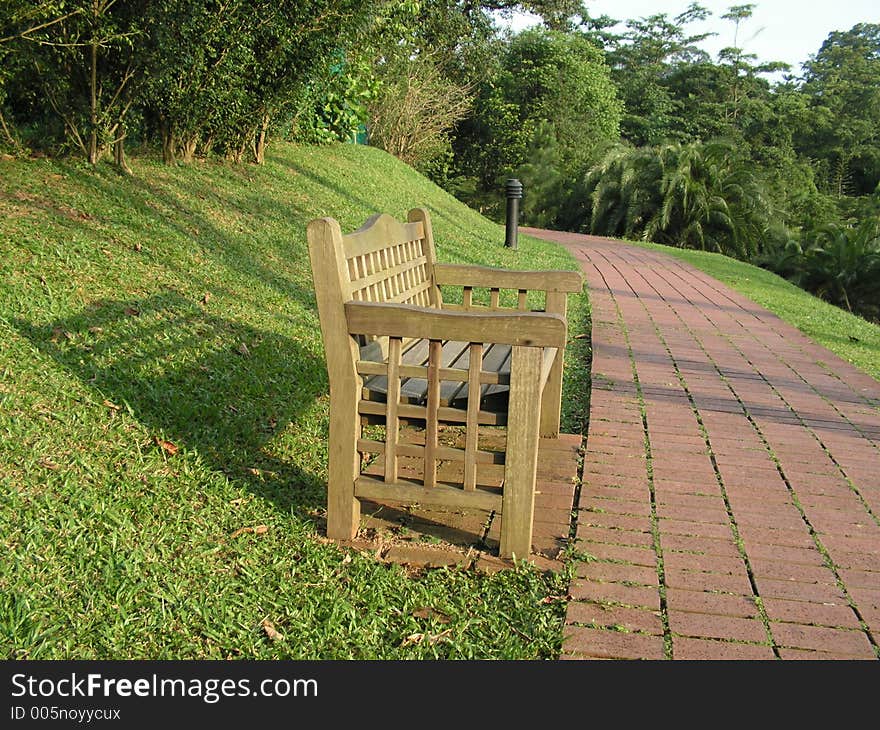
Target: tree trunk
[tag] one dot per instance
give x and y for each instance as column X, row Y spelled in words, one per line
column 188, row 147
column 93, row 116
column 168, row 143
column 260, row 145
column 119, row 155
column 10, row 139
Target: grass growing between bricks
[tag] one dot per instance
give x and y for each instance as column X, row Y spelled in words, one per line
column 854, row 339
column 163, row 413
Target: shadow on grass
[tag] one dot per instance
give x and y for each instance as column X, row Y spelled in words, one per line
column 222, row 390
column 150, row 207
column 328, row 184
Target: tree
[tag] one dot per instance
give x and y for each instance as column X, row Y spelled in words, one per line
column 21, row 23
column 624, row 191
column 841, row 83
column 83, row 65
column 842, row 265
column 641, row 60
column 414, row 110
column 226, row 71
column 542, row 179
column 421, row 60
column 699, row 195
column 548, row 81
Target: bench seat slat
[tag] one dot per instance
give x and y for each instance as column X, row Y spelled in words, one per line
column 455, row 355
column 455, row 361
column 495, row 360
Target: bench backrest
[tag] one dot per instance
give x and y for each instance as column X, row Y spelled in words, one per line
column 389, row 261
column 382, row 261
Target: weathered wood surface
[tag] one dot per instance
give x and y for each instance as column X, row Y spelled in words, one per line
column 397, row 355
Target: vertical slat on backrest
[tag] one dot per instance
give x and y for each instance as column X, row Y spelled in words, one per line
column 421, row 215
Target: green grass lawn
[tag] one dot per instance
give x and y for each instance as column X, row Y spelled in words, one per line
column 162, row 385
column 854, row 339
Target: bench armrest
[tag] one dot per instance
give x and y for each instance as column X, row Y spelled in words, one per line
column 531, row 329
column 490, row 277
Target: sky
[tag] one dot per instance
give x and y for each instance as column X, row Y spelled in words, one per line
column 779, row 30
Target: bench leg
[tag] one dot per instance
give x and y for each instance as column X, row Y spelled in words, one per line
column 343, row 509
column 551, row 403
column 521, row 459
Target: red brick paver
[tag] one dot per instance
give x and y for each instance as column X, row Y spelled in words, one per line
column 730, row 502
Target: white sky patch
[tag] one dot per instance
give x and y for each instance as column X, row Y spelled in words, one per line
column 779, row 30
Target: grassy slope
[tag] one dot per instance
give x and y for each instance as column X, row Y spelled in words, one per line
column 117, row 548
column 854, row 339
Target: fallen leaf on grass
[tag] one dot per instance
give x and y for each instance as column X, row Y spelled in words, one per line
column 271, row 631
column 132, row 312
column 166, row 446
column 49, row 464
column 258, row 530
column 347, row 559
column 557, row 599
column 115, row 407
column 430, row 638
column 96, row 330
column 427, row 612
column 413, row 639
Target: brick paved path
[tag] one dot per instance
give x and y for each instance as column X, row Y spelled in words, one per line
column 731, row 494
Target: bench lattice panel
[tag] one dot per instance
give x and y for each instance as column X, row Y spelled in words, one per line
column 433, row 376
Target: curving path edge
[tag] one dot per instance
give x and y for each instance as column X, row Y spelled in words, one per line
column 730, row 505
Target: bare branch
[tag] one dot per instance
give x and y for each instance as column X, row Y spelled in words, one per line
column 23, row 34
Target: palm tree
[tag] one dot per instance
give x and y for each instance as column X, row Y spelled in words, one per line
column 625, row 191
column 712, row 200
column 782, row 254
column 698, row 195
column 843, row 267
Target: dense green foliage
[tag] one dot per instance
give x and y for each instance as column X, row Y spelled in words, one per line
column 175, row 305
column 716, row 157
column 696, row 195
column 199, row 76
column 552, row 95
column 840, row 264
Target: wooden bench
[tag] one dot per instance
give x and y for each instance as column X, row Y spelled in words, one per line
column 398, row 355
